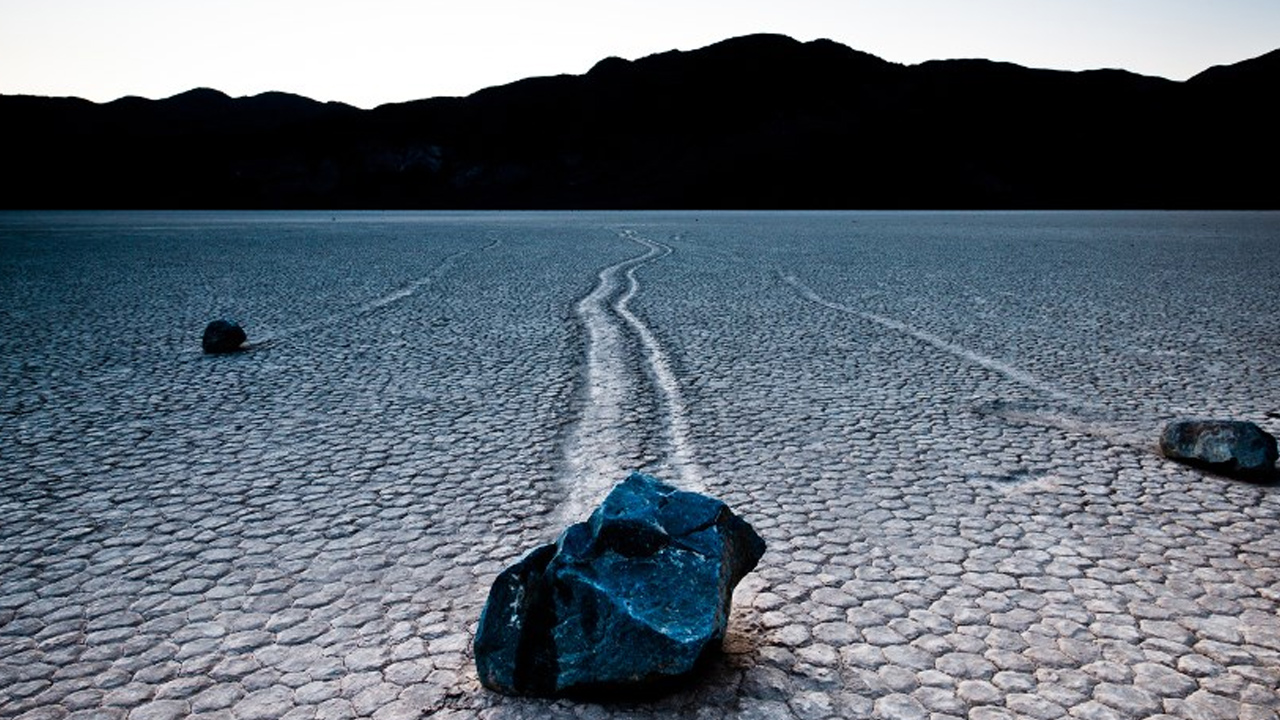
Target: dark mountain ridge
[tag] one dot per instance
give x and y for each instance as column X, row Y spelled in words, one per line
column 761, row 121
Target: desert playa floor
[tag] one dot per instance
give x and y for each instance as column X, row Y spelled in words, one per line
column 943, row 425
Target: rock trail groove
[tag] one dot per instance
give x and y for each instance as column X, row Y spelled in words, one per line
column 682, row 454
column 595, row 455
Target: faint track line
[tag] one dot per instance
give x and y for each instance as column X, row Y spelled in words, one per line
column 366, row 308
column 1065, row 412
column 998, row 366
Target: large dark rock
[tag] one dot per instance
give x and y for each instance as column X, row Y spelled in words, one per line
column 1227, row 446
column 223, row 336
column 632, row 598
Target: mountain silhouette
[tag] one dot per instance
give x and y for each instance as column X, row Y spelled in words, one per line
column 762, row 121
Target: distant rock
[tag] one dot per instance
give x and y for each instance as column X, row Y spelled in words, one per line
column 223, row 336
column 1228, row 446
column 630, row 599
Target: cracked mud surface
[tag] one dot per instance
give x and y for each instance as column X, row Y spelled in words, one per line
column 942, row 424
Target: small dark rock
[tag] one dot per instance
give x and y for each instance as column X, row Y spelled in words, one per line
column 1231, row 447
column 629, row 600
column 223, row 336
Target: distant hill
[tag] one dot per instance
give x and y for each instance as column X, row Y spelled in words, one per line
column 761, row 121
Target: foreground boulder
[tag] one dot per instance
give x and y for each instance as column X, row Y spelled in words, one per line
column 1227, row 446
column 223, row 336
column 632, row 598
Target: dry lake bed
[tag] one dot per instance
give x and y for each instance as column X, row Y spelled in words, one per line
column 944, row 425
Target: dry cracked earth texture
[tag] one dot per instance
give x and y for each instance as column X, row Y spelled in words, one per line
column 942, row 424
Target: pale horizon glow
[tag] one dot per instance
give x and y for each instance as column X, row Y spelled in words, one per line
column 380, row 51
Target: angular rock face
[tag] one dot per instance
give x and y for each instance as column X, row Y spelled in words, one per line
column 222, row 336
column 632, row 597
column 1229, row 446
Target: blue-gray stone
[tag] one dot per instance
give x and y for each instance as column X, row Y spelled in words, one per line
column 632, row 598
column 223, row 336
column 1228, row 446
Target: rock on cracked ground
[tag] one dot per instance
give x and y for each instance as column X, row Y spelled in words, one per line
column 942, row 424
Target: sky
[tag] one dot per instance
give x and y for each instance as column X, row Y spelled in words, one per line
column 369, row 52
